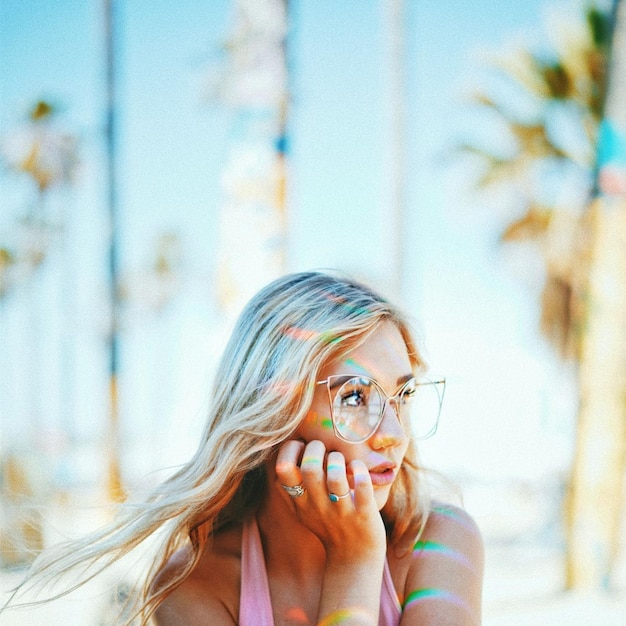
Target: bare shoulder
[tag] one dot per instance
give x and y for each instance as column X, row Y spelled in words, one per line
column 453, row 526
column 443, row 573
column 210, row 594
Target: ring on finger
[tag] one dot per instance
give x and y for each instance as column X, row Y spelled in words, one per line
column 335, row 498
column 296, row 491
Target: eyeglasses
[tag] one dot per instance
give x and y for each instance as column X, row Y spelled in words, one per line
column 358, row 405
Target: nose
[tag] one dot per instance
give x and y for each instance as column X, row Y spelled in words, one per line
column 390, row 432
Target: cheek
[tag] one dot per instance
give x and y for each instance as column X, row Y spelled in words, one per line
column 316, row 423
column 404, row 447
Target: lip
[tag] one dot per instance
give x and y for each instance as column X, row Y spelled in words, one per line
column 383, row 474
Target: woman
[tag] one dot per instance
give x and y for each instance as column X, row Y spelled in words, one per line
column 305, row 503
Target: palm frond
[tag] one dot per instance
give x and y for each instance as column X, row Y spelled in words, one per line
column 550, row 103
column 599, row 23
column 522, row 68
column 499, row 171
column 534, row 141
column 556, row 315
column 533, row 224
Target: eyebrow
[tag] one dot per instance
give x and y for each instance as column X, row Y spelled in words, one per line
column 340, row 380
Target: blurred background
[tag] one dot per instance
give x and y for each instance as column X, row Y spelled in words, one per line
column 162, row 161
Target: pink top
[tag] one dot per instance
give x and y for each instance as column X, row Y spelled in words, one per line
column 255, row 605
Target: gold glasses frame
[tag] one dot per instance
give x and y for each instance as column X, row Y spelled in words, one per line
column 338, row 380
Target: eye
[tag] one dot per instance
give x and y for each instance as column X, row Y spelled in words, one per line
column 353, row 398
column 409, row 391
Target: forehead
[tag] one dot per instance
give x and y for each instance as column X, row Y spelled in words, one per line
column 383, row 356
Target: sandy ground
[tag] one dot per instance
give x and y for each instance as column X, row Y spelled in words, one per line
column 524, row 587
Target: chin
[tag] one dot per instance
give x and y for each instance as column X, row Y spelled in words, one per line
column 381, row 495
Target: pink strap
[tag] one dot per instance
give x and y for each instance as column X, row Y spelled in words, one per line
column 390, row 607
column 255, row 606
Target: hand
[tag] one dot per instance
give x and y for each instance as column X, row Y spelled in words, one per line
column 351, row 528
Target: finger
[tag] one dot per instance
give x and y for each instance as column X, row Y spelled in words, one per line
column 312, row 468
column 336, row 478
column 288, row 463
column 363, row 488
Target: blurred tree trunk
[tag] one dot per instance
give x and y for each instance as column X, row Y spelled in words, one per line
column 253, row 83
column 21, row 535
column 594, row 503
column 396, row 20
column 114, row 488
column 581, row 84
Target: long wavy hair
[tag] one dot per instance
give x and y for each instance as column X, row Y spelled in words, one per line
column 262, row 390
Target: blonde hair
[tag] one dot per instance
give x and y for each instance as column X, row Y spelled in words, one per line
column 262, row 390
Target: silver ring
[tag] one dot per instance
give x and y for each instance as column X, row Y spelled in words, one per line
column 335, row 498
column 295, row 491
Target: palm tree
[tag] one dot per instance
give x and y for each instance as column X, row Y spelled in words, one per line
column 253, row 83
column 594, row 503
column 551, row 129
column 553, row 144
column 44, row 157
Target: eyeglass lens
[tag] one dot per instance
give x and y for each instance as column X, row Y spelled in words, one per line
column 358, row 408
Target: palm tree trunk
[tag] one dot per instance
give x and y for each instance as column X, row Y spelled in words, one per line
column 253, row 217
column 594, row 504
column 595, row 498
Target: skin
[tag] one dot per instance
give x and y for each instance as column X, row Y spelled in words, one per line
column 329, row 570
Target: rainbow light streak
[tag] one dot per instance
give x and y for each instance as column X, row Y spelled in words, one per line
column 297, row 614
column 438, row 548
column 357, row 366
column 364, row 367
column 357, row 310
column 333, row 298
column 301, row 334
column 340, row 616
column 283, row 387
column 328, row 337
column 315, row 419
column 455, row 515
column 424, row 595
column 333, row 467
column 304, row 334
column 311, row 459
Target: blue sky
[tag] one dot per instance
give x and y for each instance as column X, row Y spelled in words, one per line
column 473, row 303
